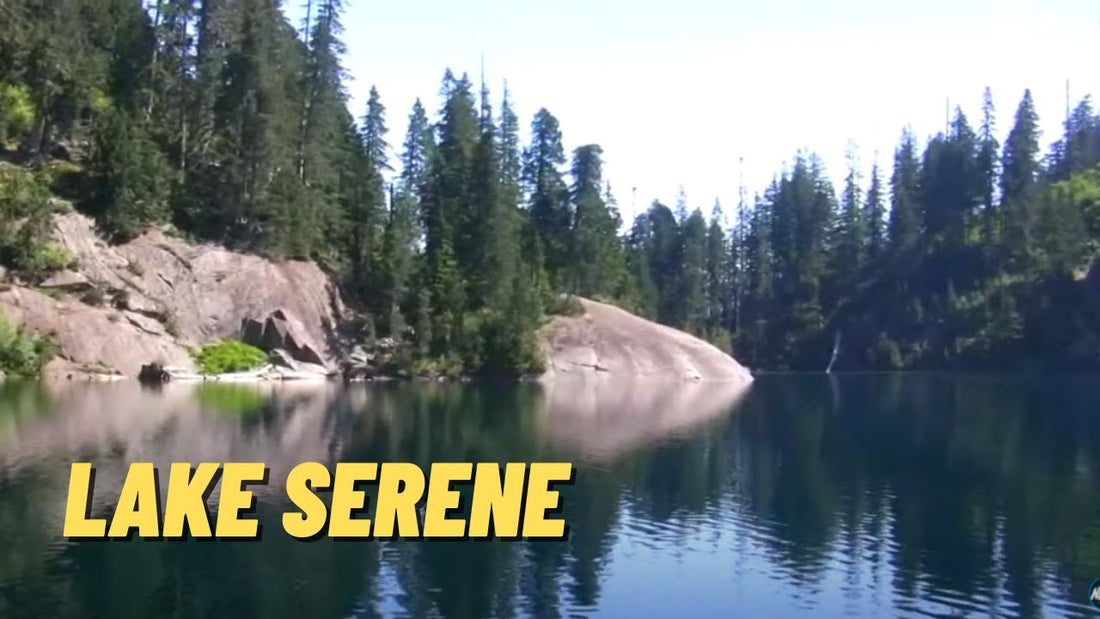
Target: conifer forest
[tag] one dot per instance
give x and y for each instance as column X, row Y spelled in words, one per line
column 231, row 124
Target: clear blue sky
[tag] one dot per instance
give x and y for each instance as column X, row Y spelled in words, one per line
column 676, row 92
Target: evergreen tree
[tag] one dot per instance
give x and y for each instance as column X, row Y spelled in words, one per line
column 950, row 183
column 446, row 210
column 131, row 177
column 692, row 306
column 1079, row 148
column 904, row 194
column 377, row 240
column 720, row 272
column 1019, row 180
column 594, row 244
column 548, row 195
column 875, row 216
column 988, row 148
column 851, row 228
column 494, row 227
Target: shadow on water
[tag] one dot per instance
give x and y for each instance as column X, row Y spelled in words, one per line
column 879, row 495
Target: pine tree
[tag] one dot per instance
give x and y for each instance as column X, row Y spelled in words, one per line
column 875, row 216
column 646, row 298
column 1019, row 179
column 493, row 228
column 401, row 229
column 447, row 208
column 593, row 236
column 132, row 177
column 548, row 195
column 417, row 151
column 950, row 183
column 257, row 122
column 719, row 274
column 988, row 148
column 367, row 220
column 511, row 159
column 850, row 232
column 904, row 206
column 692, row 306
column 1079, row 148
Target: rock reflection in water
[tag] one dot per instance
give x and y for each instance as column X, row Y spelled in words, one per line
column 115, row 424
column 601, row 418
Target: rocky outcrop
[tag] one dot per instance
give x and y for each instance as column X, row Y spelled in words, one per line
column 163, row 296
column 93, row 340
column 279, row 332
column 606, row 340
column 146, row 303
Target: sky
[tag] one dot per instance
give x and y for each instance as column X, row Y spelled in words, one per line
column 700, row 93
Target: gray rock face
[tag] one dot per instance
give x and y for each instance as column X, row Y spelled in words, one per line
column 177, row 296
column 609, row 341
column 279, row 332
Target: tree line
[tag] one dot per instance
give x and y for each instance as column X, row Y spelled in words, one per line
column 223, row 118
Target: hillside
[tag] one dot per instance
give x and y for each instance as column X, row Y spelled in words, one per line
column 119, row 307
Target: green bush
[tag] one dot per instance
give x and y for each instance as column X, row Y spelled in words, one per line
column 20, row 353
column 50, row 257
column 25, row 224
column 16, row 112
column 226, row 356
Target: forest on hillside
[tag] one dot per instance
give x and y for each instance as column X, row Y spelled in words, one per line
column 225, row 120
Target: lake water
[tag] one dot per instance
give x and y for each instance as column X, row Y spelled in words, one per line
column 863, row 495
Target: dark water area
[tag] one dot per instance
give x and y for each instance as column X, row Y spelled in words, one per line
column 864, row 495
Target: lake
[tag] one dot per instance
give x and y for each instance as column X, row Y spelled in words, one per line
column 852, row 495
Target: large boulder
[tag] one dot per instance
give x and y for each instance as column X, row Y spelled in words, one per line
column 607, row 340
column 279, row 332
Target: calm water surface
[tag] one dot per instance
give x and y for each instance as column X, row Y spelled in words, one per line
column 869, row 496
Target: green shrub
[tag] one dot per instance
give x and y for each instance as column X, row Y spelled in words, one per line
column 226, row 356
column 20, row 353
column 16, row 112
column 26, row 222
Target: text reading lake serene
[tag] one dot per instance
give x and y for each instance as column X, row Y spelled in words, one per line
column 513, row 501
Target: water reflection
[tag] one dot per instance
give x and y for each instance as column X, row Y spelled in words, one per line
column 880, row 495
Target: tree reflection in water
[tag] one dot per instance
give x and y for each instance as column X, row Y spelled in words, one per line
column 873, row 495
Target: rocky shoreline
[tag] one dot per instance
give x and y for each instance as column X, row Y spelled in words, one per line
column 139, row 309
